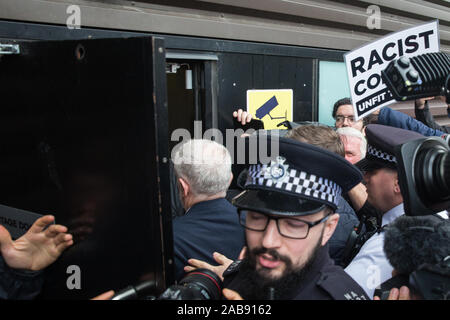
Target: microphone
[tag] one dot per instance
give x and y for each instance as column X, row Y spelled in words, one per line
column 412, row 241
column 417, row 248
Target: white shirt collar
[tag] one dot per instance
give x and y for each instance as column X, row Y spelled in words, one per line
column 443, row 214
column 393, row 214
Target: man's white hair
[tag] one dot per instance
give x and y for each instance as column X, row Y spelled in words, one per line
column 349, row 131
column 204, row 164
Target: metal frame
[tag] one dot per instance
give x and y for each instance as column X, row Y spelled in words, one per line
column 335, row 24
column 163, row 170
column 211, row 90
column 38, row 31
column 315, row 90
column 183, row 47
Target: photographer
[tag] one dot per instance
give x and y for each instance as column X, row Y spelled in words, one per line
column 411, row 242
column 394, row 118
column 344, row 116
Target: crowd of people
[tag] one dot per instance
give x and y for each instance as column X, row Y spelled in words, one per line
column 299, row 212
column 324, row 219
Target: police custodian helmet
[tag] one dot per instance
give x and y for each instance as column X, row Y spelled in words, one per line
column 381, row 143
column 299, row 180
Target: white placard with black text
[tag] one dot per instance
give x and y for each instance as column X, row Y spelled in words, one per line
column 364, row 65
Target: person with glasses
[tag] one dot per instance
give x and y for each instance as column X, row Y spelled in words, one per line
column 288, row 211
column 344, row 115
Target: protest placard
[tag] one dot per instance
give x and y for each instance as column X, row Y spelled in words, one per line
column 364, row 65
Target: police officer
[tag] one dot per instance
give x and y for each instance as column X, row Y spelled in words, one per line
column 370, row 266
column 288, row 211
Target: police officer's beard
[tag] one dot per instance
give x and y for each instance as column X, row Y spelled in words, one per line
column 254, row 286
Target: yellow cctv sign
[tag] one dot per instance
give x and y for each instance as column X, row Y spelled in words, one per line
column 271, row 106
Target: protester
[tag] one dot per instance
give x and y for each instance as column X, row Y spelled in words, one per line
column 343, row 112
column 344, row 115
column 394, row 118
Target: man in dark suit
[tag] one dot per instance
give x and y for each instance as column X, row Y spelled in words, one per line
column 210, row 224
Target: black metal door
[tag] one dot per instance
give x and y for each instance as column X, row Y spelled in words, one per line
column 83, row 136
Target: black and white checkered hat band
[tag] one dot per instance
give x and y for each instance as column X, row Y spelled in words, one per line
column 296, row 182
column 380, row 154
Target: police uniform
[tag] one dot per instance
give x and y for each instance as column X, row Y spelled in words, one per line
column 370, row 267
column 325, row 281
column 301, row 180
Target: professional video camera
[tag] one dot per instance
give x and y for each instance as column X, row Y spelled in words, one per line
column 424, row 175
column 422, row 76
column 424, row 164
column 199, row 284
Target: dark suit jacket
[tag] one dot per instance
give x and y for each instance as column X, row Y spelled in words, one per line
column 347, row 221
column 207, row 227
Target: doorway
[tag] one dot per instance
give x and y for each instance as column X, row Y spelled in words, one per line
column 185, row 95
column 191, row 91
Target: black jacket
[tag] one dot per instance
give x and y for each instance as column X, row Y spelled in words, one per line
column 424, row 115
column 19, row 284
column 207, row 227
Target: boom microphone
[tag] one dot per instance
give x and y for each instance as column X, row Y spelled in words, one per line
column 418, row 248
column 412, row 241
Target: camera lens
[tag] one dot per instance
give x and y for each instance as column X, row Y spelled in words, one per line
column 205, row 281
column 432, row 172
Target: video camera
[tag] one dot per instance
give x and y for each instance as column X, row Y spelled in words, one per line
column 199, row 284
column 422, row 76
column 424, row 175
column 424, row 164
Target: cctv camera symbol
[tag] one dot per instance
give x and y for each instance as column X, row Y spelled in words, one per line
column 267, row 107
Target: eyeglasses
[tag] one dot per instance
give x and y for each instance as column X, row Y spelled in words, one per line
column 288, row 227
column 340, row 119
